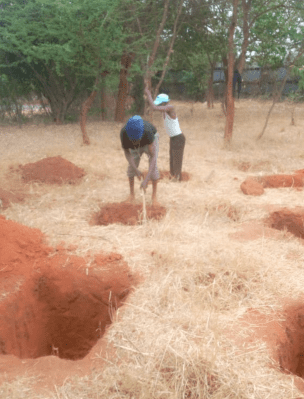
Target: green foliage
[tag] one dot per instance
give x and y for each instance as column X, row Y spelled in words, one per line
column 61, row 44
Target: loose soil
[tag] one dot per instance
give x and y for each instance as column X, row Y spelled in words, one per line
column 256, row 185
column 53, row 170
column 51, row 302
column 126, row 213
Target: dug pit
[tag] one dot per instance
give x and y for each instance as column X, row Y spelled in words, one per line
column 126, row 213
column 289, row 220
column 284, row 335
column 51, row 302
column 59, row 312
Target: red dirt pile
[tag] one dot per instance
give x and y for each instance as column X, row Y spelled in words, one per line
column 251, row 186
column 54, row 170
column 125, row 213
column 256, row 185
column 51, row 302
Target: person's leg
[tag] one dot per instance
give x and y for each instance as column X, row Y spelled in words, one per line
column 131, row 197
column 171, row 157
column 154, row 193
column 154, row 173
column 178, row 153
column 131, row 174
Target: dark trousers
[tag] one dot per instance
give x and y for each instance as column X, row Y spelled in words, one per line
column 177, row 145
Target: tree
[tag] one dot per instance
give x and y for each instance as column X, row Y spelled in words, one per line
column 62, row 43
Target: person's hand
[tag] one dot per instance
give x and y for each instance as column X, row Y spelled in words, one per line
column 144, row 184
column 139, row 175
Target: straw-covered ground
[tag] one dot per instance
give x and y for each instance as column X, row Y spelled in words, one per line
column 181, row 333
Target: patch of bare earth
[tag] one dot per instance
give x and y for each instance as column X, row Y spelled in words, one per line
column 125, row 213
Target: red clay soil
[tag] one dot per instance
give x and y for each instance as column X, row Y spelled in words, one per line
column 54, row 170
column 6, row 197
column 276, row 181
column 285, row 219
column 125, row 213
column 256, row 185
column 51, row 303
column 251, row 186
column 284, row 334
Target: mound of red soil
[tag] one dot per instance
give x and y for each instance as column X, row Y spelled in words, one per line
column 125, row 213
column 276, row 181
column 51, row 302
column 54, row 170
column 6, row 197
column 251, row 186
column 256, row 185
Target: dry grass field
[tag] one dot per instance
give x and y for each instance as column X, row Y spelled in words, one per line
column 208, row 318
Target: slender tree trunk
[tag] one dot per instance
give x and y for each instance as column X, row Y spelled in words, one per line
column 86, row 105
column 148, row 73
column 126, row 61
column 170, row 50
column 230, row 99
column 103, row 98
column 246, row 5
column 276, row 98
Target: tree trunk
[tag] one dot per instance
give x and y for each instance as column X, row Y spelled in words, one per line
column 85, row 107
column 126, row 61
column 148, row 74
column 103, row 98
column 230, row 99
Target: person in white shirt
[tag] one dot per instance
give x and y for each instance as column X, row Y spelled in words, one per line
column 177, row 138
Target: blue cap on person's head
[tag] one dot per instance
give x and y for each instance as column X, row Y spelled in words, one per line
column 161, row 98
column 135, row 127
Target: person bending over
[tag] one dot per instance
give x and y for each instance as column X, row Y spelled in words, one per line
column 137, row 137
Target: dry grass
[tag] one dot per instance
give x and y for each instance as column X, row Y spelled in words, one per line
column 171, row 338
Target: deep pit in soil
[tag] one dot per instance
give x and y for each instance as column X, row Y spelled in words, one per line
column 126, row 213
column 290, row 350
column 284, row 334
column 288, row 220
column 51, row 302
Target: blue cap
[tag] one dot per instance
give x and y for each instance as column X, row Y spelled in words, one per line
column 135, row 127
column 161, row 98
